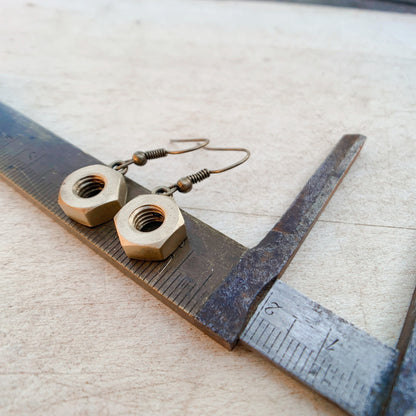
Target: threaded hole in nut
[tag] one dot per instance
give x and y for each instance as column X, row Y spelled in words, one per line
column 147, row 218
column 89, row 186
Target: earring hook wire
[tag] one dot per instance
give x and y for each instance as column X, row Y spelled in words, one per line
column 229, row 149
column 201, row 140
column 140, row 158
column 186, row 183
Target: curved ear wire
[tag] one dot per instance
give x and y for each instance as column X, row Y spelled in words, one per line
column 203, row 142
column 229, row 149
column 140, row 158
column 185, row 184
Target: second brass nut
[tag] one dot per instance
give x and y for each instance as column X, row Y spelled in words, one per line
column 150, row 227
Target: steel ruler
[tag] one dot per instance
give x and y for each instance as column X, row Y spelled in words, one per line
column 230, row 292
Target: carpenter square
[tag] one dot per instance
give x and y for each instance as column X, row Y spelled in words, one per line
column 228, row 291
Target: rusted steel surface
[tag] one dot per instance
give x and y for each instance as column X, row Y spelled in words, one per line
column 227, row 310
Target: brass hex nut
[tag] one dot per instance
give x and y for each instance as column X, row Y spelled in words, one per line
column 150, row 227
column 93, row 195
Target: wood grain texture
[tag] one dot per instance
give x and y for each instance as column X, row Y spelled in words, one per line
column 78, row 337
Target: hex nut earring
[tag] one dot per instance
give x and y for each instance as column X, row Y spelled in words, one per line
column 150, row 227
column 93, row 195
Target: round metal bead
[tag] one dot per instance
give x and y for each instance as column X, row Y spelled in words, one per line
column 184, row 184
column 139, row 158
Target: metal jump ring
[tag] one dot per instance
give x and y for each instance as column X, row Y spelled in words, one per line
column 116, row 166
column 164, row 190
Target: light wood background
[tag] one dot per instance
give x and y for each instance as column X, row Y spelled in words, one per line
column 287, row 81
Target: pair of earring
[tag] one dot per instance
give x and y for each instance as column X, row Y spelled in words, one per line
column 151, row 226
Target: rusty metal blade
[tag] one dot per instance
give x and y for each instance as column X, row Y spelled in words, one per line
column 227, row 310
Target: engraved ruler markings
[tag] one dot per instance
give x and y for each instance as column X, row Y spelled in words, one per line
column 330, row 355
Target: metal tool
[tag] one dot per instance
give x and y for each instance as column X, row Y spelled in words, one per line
column 231, row 292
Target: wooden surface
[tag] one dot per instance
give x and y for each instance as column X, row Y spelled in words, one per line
column 78, row 337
